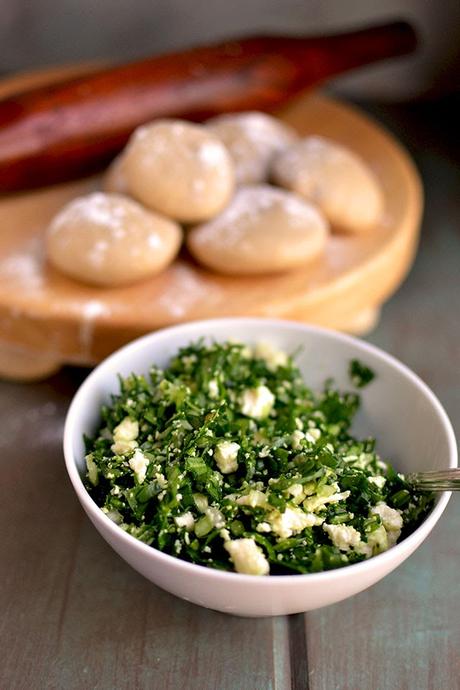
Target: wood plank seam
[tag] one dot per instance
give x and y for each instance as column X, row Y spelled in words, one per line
column 298, row 652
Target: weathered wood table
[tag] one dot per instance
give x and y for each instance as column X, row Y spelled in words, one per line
column 73, row 615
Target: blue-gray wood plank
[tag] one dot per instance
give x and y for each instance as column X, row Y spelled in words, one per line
column 73, row 615
column 404, row 633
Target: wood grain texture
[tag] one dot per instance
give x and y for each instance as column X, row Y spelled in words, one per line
column 44, row 311
column 74, row 615
column 404, row 633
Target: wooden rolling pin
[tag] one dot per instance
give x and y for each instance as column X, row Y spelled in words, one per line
column 73, row 128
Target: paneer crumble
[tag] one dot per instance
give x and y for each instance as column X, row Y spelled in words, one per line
column 227, row 459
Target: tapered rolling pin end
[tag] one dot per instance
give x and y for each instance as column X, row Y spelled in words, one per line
column 68, row 129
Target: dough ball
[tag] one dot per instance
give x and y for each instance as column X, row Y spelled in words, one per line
column 179, row 169
column 253, row 139
column 263, row 230
column 335, row 179
column 110, row 240
column 114, row 180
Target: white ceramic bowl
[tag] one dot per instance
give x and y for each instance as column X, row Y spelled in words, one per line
column 408, row 421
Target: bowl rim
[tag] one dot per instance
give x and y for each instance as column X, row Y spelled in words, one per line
column 409, row 544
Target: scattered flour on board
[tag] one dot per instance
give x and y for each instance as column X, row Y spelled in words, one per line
column 35, row 418
column 91, row 311
column 24, row 268
column 186, row 291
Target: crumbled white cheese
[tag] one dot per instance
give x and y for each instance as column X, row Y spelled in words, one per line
column 378, row 540
column 292, row 521
column 297, row 492
column 265, row 452
column 123, row 447
column 391, row 518
column 273, row 358
column 186, row 520
column 247, row 557
column 343, row 537
column 254, row 499
column 161, row 480
column 139, row 463
column 226, row 454
column 393, row 536
column 263, row 527
column 378, row 480
column 363, row 549
column 313, row 435
column 188, row 360
column 257, row 402
column 363, row 461
column 124, row 436
column 213, row 389
column 246, row 352
column 296, row 437
column 127, row 430
column 216, row 517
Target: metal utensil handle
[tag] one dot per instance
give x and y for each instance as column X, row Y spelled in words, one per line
column 437, row 480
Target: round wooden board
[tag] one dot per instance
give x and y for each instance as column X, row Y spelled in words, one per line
column 43, row 313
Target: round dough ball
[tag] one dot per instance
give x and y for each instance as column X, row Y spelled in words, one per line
column 110, row 240
column 253, row 139
column 263, row 230
column 179, row 169
column 335, row 179
column 114, row 180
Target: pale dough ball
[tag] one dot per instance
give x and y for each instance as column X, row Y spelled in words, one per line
column 114, row 180
column 253, row 139
column 179, row 169
column 263, row 230
column 335, row 179
column 110, row 240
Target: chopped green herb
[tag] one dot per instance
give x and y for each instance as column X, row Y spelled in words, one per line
column 360, row 374
column 227, row 459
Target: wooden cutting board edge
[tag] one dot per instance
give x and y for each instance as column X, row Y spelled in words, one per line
column 37, row 346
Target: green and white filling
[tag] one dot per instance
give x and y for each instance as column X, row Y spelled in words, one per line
column 229, row 460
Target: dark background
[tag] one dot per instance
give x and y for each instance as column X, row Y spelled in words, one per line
column 37, row 33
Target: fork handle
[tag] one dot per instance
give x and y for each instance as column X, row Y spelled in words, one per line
column 437, row 480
